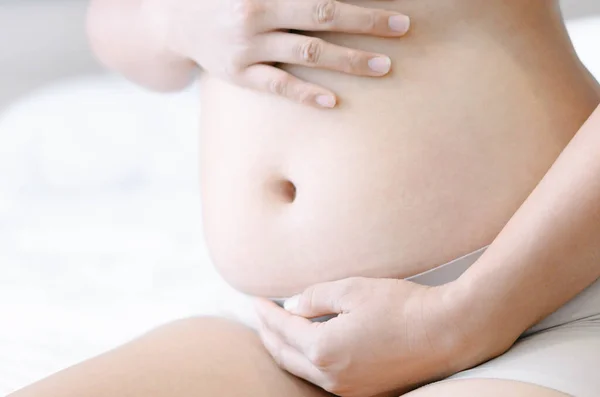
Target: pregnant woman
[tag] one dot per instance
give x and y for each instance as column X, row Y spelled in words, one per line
column 356, row 192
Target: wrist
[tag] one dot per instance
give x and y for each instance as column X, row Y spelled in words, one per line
column 479, row 326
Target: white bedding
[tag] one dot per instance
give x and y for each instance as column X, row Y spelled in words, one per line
column 100, row 234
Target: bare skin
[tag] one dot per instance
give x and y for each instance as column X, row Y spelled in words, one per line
column 215, row 357
column 471, row 113
column 432, row 160
column 195, row 357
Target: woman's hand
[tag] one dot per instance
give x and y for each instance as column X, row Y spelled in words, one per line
column 236, row 40
column 389, row 336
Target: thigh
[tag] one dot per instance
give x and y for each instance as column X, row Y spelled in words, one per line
column 193, row 357
column 484, row 388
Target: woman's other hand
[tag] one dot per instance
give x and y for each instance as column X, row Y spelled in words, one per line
column 239, row 40
column 389, row 336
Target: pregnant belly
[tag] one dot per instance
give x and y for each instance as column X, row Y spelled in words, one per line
column 409, row 172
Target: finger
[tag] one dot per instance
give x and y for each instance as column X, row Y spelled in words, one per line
column 276, row 81
column 288, row 358
column 334, row 16
column 334, row 297
column 297, row 332
column 317, row 53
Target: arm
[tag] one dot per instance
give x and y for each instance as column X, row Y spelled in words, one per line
column 547, row 253
column 128, row 38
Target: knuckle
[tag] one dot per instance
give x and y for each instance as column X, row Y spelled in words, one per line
column 325, row 11
column 231, row 72
column 278, row 355
column 371, row 21
column 317, row 358
column 276, row 351
column 309, row 51
column 234, row 65
column 335, row 389
column 279, row 85
column 350, row 286
column 310, row 297
column 354, row 282
column 304, row 96
column 319, row 355
column 352, row 61
column 350, row 292
column 237, row 60
column 247, row 12
column 334, row 386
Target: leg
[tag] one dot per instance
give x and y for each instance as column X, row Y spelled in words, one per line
column 216, row 357
column 195, row 357
column 484, row 388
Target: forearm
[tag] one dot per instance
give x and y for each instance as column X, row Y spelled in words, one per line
column 129, row 37
column 548, row 252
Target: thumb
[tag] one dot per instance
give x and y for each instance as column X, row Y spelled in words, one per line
column 324, row 299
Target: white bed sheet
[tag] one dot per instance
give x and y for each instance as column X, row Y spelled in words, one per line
column 100, row 233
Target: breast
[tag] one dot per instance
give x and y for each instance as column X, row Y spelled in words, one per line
column 410, row 171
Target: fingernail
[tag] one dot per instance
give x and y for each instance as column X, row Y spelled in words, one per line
column 380, row 64
column 291, row 304
column 399, row 23
column 326, row 101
